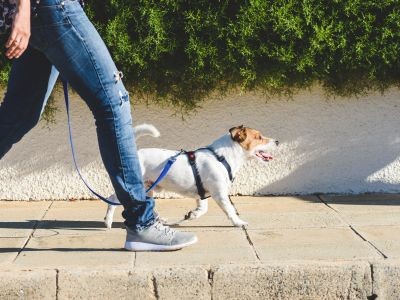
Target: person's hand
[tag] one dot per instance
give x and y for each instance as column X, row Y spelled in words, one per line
column 21, row 30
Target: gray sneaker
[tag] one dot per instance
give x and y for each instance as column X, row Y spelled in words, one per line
column 158, row 237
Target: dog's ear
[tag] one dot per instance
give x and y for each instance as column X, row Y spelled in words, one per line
column 238, row 133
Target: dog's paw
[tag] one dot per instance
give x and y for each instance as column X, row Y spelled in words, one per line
column 240, row 223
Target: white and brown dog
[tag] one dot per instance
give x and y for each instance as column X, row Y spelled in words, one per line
column 236, row 147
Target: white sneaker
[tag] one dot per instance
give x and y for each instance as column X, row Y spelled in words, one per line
column 158, row 237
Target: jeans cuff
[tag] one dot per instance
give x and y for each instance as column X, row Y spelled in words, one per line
column 140, row 227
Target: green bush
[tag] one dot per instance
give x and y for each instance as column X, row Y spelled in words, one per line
column 178, row 51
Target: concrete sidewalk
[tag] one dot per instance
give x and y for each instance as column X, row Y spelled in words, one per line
column 305, row 247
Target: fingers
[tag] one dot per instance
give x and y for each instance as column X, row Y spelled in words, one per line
column 16, row 46
column 23, row 44
column 11, row 39
column 12, row 46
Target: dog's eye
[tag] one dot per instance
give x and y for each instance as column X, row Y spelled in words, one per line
column 260, row 137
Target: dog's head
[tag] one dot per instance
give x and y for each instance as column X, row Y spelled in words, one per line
column 253, row 142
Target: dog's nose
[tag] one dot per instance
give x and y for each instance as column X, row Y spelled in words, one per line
column 277, row 143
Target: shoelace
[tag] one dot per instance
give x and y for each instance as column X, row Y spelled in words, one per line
column 167, row 230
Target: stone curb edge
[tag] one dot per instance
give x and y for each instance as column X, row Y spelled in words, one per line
column 310, row 280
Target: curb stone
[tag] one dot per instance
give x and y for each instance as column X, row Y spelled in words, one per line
column 141, row 283
column 38, row 284
column 278, row 280
column 386, row 276
column 293, row 281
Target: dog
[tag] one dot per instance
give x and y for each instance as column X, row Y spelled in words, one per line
column 236, row 147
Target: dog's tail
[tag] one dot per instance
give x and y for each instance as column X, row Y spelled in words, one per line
column 146, row 129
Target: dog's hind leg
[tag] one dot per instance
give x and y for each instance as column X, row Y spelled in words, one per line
column 225, row 203
column 108, row 219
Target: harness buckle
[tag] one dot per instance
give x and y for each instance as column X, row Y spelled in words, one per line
column 191, row 156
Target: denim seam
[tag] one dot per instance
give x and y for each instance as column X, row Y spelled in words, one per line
column 108, row 99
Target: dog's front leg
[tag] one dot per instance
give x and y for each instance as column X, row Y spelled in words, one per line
column 224, row 202
column 201, row 209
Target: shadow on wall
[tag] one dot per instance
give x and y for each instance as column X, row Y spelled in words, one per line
column 338, row 147
column 365, row 199
column 336, row 168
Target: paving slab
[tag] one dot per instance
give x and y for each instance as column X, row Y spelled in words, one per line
column 214, row 247
column 311, row 244
column 76, row 216
column 175, row 209
column 76, row 250
column 364, row 210
column 209, row 230
column 385, row 238
column 17, row 219
column 281, row 204
column 71, row 233
column 9, row 249
column 286, row 212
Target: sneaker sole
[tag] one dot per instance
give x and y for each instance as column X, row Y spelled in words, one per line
column 137, row 246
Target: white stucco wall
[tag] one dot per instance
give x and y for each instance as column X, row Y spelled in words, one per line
column 327, row 145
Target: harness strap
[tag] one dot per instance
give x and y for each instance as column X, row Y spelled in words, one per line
column 199, row 184
column 222, row 160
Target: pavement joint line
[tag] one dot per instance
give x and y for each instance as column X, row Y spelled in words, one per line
column 155, row 288
column 57, row 283
column 246, row 233
column 373, row 295
column 33, row 231
column 355, row 231
column 211, row 281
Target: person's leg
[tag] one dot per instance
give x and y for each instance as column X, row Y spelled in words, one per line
column 29, row 86
column 71, row 43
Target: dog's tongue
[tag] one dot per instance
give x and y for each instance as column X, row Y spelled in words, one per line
column 264, row 155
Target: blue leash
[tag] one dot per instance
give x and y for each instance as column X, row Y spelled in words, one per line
column 164, row 172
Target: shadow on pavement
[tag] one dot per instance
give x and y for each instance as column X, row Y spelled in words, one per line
column 58, row 224
column 16, row 250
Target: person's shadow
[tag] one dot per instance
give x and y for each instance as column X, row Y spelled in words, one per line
column 52, row 226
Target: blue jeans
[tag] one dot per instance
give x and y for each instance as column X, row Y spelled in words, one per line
column 63, row 39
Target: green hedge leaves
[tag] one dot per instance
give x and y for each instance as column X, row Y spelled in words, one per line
column 180, row 51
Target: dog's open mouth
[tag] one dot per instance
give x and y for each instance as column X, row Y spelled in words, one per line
column 264, row 155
